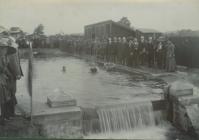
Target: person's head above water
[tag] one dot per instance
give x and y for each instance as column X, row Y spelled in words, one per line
column 64, row 68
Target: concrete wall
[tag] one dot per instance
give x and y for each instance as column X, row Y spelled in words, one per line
column 183, row 108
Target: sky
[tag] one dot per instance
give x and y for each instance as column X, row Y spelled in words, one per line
column 70, row 16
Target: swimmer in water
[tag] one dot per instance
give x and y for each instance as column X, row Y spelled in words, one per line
column 64, row 69
column 93, row 70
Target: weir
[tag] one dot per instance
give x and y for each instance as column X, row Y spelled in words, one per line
column 125, row 117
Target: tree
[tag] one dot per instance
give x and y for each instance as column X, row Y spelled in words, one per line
column 38, row 36
column 124, row 21
column 39, row 30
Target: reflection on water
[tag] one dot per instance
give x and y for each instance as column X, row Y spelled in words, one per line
column 89, row 89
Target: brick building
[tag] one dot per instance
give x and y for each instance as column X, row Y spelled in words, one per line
column 107, row 29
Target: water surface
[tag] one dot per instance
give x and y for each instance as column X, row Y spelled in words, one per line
column 89, row 89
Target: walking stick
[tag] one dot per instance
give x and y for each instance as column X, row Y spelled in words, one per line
column 30, row 76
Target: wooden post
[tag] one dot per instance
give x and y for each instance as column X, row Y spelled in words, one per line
column 30, row 75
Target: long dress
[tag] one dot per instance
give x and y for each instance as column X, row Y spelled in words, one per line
column 170, row 58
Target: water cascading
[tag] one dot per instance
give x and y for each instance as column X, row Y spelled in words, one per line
column 125, row 117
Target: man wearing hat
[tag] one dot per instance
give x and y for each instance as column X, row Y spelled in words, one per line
column 111, row 43
column 150, row 48
column 4, row 76
column 130, row 51
column 143, row 50
column 136, row 52
column 159, row 52
column 124, row 51
column 13, row 73
column 16, row 72
column 115, row 50
column 119, row 50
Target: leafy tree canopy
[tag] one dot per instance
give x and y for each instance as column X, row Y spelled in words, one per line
column 39, row 30
column 125, row 21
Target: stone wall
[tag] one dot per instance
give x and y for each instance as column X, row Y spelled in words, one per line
column 183, row 108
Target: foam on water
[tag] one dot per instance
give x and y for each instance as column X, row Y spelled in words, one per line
column 150, row 132
column 125, row 117
column 129, row 121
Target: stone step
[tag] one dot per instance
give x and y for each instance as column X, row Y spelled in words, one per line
column 60, row 99
column 181, row 92
column 56, row 103
column 188, row 100
column 193, row 114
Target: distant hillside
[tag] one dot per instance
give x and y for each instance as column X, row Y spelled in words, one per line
column 184, row 33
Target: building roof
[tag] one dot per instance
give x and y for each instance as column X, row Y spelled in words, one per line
column 102, row 22
column 145, row 30
column 113, row 22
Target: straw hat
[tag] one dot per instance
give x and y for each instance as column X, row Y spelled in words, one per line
column 9, row 43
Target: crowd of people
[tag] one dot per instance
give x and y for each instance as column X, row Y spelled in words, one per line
column 133, row 52
column 10, row 71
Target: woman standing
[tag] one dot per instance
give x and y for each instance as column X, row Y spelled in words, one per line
column 170, row 57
